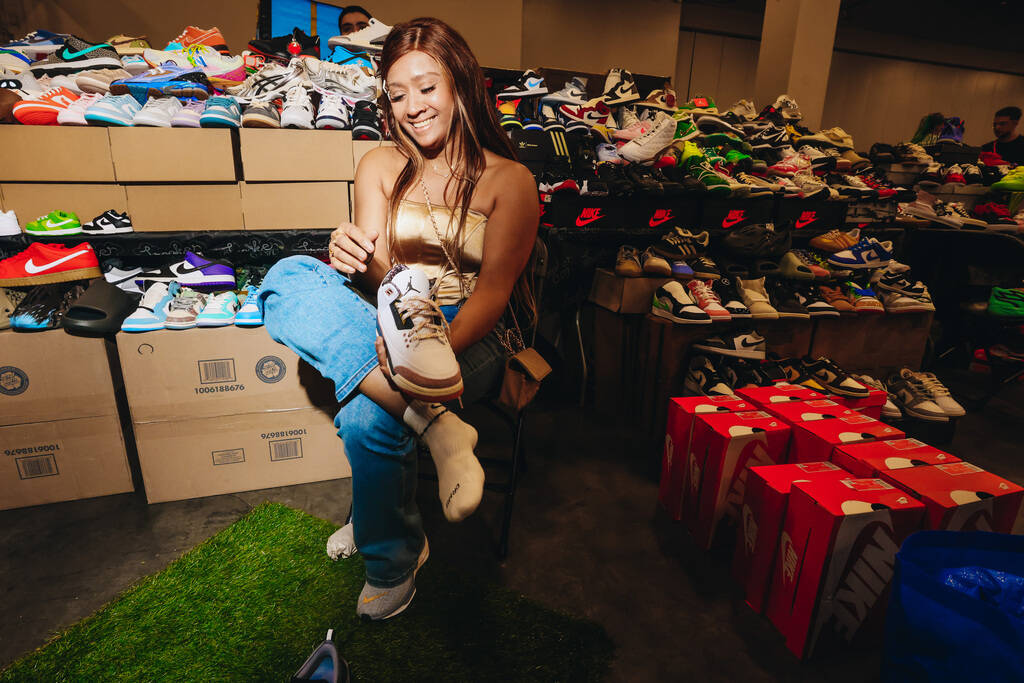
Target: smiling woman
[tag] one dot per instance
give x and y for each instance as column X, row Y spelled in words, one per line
column 450, row 202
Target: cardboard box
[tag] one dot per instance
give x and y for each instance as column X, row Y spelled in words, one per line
column 874, row 458
column 764, row 508
column 792, row 412
column 47, row 462
column 874, row 344
column 682, row 412
column 963, row 497
column 835, row 559
column 40, row 153
column 624, row 294
column 31, row 200
column 172, row 375
column 723, row 447
column 207, row 456
column 294, row 206
column 361, row 147
column 163, row 208
column 814, row 441
column 53, row 375
column 870, row 405
column 270, row 154
column 146, row 155
column 781, row 392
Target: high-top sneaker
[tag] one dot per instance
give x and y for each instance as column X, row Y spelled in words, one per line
column 420, row 357
column 952, row 131
column 365, row 121
column 619, row 88
column 530, row 84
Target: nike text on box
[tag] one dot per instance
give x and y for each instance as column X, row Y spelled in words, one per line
column 723, row 447
column 292, row 155
column 764, row 507
column 679, row 428
column 963, row 497
column 214, row 455
column 724, row 215
column 57, row 460
column 835, row 560
column 874, row 458
column 815, row 441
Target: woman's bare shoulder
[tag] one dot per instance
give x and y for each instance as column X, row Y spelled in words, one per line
column 381, row 162
column 505, row 173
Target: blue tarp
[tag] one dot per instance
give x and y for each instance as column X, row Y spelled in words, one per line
column 288, row 14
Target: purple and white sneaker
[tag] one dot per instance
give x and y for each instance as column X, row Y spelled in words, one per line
column 164, row 81
column 195, row 272
column 188, row 115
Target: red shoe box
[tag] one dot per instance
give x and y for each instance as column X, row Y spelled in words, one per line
column 764, row 507
column 814, row 441
column 963, row 497
column 679, row 426
column 721, row 450
column 870, row 405
column 868, row 460
column 792, row 412
column 835, row 559
column 779, row 393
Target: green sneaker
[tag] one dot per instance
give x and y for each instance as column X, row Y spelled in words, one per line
column 725, row 140
column 1011, row 182
column 696, row 164
column 738, row 159
column 1008, row 303
column 699, row 105
column 685, row 128
column 55, row 223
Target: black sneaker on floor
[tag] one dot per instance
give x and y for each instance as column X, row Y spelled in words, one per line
column 834, row 378
column 44, row 306
column 277, row 48
column 748, row 344
column 365, row 121
column 643, row 179
column 704, row 378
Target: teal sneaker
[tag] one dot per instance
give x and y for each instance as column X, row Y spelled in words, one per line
column 152, row 311
column 250, row 315
column 219, row 311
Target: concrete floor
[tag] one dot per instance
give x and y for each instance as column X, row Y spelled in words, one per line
column 587, row 539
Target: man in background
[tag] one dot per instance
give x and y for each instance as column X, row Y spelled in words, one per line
column 353, row 18
column 1008, row 143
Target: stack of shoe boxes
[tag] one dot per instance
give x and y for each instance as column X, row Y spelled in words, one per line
column 60, row 434
column 222, row 410
column 178, row 179
column 295, row 179
column 58, row 167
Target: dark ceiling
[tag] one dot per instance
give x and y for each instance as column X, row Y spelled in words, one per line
column 992, row 24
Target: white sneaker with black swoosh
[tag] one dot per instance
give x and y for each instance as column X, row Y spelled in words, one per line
column 740, row 345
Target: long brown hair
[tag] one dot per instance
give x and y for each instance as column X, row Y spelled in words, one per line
column 474, row 126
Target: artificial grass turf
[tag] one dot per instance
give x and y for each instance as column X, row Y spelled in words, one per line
column 252, row 602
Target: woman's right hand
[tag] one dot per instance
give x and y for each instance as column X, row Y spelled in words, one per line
column 351, row 248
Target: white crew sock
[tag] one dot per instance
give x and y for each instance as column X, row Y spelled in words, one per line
column 342, row 543
column 451, row 442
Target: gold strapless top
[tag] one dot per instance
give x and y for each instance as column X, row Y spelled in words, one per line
column 416, row 245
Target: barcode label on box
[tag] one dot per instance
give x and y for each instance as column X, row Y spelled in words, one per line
column 228, row 457
column 217, row 370
column 285, row 449
column 37, row 466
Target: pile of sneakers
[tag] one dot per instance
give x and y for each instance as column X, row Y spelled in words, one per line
column 193, row 82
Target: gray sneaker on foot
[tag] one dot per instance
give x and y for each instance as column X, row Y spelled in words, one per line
column 376, row 604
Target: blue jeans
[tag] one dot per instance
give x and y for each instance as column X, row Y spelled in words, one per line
column 319, row 314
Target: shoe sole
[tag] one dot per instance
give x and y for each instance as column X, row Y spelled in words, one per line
column 706, row 276
column 100, row 120
column 180, row 326
column 441, row 395
column 735, row 353
column 794, row 316
column 52, row 278
column 69, row 68
column 841, row 391
column 682, row 321
column 910, row 412
column 48, row 233
column 114, row 231
column 248, row 323
column 215, row 323
column 523, row 93
column 151, row 328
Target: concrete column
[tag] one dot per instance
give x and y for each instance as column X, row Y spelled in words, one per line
column 797, row 38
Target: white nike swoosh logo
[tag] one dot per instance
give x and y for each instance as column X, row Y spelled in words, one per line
column 51, row 224
column 32, row 268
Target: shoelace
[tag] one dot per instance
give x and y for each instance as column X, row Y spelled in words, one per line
column 705, row 293
column 184, row 300
column 428, row 320
column 932, row 384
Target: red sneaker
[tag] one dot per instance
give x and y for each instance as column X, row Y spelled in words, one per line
column 43, row 264
column 42, row 110
column 954, row 174
column 992, row 159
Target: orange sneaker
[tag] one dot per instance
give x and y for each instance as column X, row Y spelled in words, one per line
column 834, row 240
column 838, row 299
column 42, row 110
column 193, row 35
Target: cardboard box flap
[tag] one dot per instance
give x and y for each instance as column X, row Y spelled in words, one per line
column 53, row 375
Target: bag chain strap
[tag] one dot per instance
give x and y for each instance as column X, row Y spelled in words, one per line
column 510, row 340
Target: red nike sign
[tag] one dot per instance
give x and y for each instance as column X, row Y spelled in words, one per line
column 660, row 216
column 588, row 216
column 733, row 217
column 806, row 218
